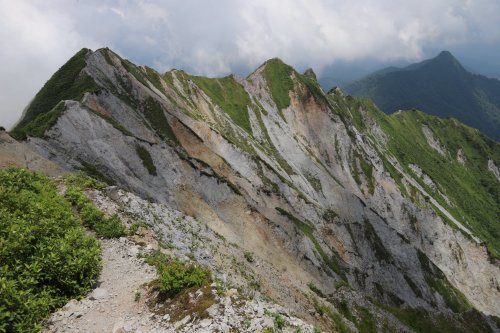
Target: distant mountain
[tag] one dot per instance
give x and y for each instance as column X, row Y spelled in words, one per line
column 440, row 86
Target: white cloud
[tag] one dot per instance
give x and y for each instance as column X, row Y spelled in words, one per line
column 216, row 37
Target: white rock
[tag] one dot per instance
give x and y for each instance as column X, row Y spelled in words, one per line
column 98, row 294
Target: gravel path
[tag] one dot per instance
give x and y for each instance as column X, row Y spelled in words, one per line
column 113, row 306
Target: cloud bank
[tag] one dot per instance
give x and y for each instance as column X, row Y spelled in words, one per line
column 210, row 37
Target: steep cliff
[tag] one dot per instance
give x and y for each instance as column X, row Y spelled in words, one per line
column 393, row 218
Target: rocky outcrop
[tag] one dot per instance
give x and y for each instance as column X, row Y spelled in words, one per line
column 302, row 179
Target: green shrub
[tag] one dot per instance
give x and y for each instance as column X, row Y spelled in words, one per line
column 81, row 180
column 249, row 256
column 92, row 217
column 176, row 276
column 279, row 322
column 46, row 258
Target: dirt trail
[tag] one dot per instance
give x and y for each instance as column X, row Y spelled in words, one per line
column 117, row 304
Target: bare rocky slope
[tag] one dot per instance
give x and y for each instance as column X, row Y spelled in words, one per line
column 377, row 222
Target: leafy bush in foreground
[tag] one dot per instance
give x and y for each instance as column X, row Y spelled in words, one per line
column 175, row 275
column 92, row 217
column 46, row 258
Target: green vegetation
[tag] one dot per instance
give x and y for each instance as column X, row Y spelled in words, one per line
column 249, row 256
column 112, row 122
column 471, row 187
column 42, row 122
column 331, row 262
column 329, row 215
column 439, row 86
column 154, row 78
column 230, row 96
column 46, row 258
column 136, row 72
column 426, row 322
column 366, row 322
column 91, row 171
column 315, row 289
column 278, row 77
column 92, row 217
column 313, row 88
column 66, row 83
column 156, row 117
column 176, row 276
column 83, row 181
column 435, row 278
column 335, row 317
column 381, row 252
column 314, row 181
column 146, row 158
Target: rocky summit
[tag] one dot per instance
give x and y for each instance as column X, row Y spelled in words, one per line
column 315, row 209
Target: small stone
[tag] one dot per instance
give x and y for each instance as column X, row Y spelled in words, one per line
column 231, row 292
column 98, row 293
column 182, row 322
column 205, row 323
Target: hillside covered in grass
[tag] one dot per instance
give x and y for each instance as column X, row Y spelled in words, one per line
column 439, row 86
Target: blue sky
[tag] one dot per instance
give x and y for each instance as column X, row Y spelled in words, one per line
column 209, row 37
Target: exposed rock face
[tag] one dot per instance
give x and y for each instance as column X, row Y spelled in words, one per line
column 306, row 182
column 494, row 169
column 433, row 142
column 17, row 154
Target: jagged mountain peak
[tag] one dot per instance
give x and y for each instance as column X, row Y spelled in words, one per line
column 439, row 86
column 324, row 187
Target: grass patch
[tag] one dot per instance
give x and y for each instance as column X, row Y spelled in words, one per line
column 335, row 317
column 175, row 276
column 92, row 171
column 378, row 247
column 154, row 78
column 366, row 322
column 136, row 72
column 315, row 289
column 146, row 159
column 331, row 262
column 42, row 122
column 472, row 188
column 230, row 96
column 314, row 181
column 92, row 217
column 426, row 322
column 112, row 122
column 156, row 117
column 68, row 83
column 278, row 78
column 453, row 297
column 83, row 181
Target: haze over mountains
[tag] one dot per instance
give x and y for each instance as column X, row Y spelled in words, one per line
column 349, row 218
column 439, row 86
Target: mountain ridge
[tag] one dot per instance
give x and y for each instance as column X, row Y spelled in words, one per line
column 322, row 182
column 439, row 86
